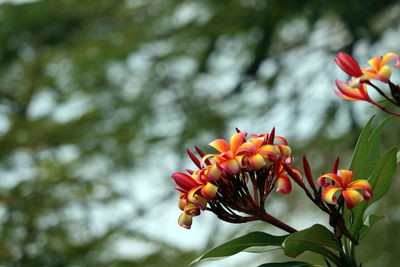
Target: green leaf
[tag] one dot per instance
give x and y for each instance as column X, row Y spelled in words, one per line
column 367, row 151
column 365, row 158
column 289, row 264
column 311, row 239
column 368, row 223
column 254, row 242
column 361, row 151
column 380, row 183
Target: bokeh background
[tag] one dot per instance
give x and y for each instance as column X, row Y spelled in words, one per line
column 99, row 100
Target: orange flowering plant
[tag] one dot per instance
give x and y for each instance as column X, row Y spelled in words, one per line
column 236, row 181
column 378, row 70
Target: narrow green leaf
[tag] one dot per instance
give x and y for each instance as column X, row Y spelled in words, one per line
column 380, row 183
column 361, row 150
column 311, row 239
column 254, row 241
column 289, row 264
column 374, row 151
column 368, row 223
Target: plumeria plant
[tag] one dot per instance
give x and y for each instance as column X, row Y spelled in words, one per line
column 235, row 182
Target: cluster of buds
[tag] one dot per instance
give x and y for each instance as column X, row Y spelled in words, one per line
column 377, row 70
column 237, row 179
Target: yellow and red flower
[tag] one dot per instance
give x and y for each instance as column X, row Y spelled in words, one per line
column 348, row 92
column 283, row 184
column 348, row 189
column 380, row 71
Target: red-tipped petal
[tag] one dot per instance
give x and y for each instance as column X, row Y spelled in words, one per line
column 389, row 56
column 375, row 62
column 328, row 194
column 231, row 166
column 209, row 191
column 297, row 172
column 322, row 180
column 256, row 162
column 284, row 185
column 384, row 74
column 197, row 199
column 202, row 154
column 247, row 147
column 236, row 141
column 364, row 185
column 285, row 150
column 352, row 198
column 213, row 172
column 183, row 201
column 221, row 145
column 346, row 177
column 282, row 140
column 184, row 180
column 350, row 92
column 192, row 210
column 271, row 150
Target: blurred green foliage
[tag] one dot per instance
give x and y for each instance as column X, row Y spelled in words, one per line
column 89, row 89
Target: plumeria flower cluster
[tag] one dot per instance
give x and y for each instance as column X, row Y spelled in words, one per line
column 237, row 178
column 243, row 172
column 378, row 70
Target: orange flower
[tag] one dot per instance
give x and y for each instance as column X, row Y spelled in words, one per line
column 348, row 189
column 380, row 71
column 348, row 92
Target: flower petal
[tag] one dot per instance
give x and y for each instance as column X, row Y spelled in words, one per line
column 183, row 201
column 384, row 74
column 283, row 185
column 359, row 93
column 375, row 62
column 322, row 180
column 183, row 180
column 256, row 162
column 209, row 191
column 352, row 197
column 236, row 140
column 221, row 145
column 231, row 166
column 192, row 210
column 348, row 64
column 197, row 199
column 328, row 194
column 271, row 150
column 389, row 56
column 185, row 220
column 364, row 185
column 345, row 176
column 247, row 147
column 213, row 172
